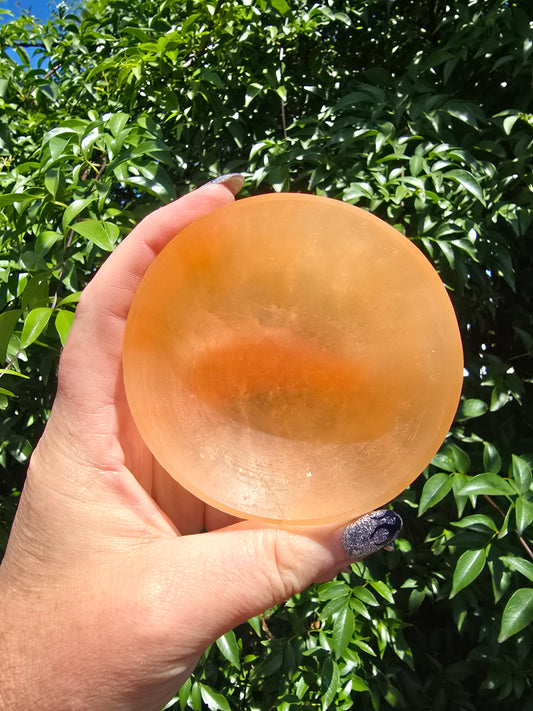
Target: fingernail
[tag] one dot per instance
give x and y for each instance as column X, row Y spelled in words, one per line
column 232, row 181
column 371, row 532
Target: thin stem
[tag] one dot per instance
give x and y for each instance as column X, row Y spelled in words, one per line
column 49, row 73
column 523, row 542
column 26, row 45
column 13, row 360
column 526, row 547
column 98, row 175
column 61, row 271
column 494, row 505
column 103, row 166
column 264, row 626
column 283, row 121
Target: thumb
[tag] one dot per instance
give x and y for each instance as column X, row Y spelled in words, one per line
column 240, row 571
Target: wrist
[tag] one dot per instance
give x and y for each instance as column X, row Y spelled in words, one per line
column 36, row 653
column 15, row 657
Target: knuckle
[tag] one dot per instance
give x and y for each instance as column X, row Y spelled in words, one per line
column 289, row 565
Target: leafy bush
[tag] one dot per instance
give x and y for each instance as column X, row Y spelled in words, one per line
column 420, row 111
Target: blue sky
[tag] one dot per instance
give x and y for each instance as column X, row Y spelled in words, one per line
column 39, row 8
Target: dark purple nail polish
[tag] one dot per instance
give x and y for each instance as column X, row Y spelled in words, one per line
column 371, row 532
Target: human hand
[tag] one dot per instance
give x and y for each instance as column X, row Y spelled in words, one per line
column 107, row 603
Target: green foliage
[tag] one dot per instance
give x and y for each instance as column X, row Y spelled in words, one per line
column 418, row 111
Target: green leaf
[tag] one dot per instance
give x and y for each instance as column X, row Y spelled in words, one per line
column 116, row 122
column 521, row 473
column 467, row 181
column 518, row 613
column 520, row 565
column 416, row 165
column 332, row 607
column 330, row 683
column 57, row 146
column 360, row 608
column 251, row 92
column 229, row 647
column 74, row 209
column 27, row 195
column 32, row 261
column 50, row 91
column 523, row 514
column 23, row 55
column 365, row 595
column 45, row 240
column 214, row 77
column 467, row 568
column 36, row 292
column 8, row 393
column 183, row 695
column 281, row 6
column 103, row 234
column 53, row 181
column 509, row 122
column 491, row 459
column 382, row 589
column 70, row 299
column 213, row 700
column 487, row 484
column 393, row 697
column 281, row 91
column 500, row 576
column 255, row 624
column 34, row 324
column 344, row 18
column 8, row 321
column 195, row 697
column 472, row 408
column 477, row 522
column 270, row 664
column 435, row 489
column 361, row 644
column 343, row 627
column 158, row 185
column 504, row 527
column 358, row 684
column 14, row 373
column 63, row 323
column 499, row 398
column 334, row 589
column 451, row 458
column 459, row 481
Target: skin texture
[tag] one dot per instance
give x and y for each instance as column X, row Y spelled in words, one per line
column 109, row 592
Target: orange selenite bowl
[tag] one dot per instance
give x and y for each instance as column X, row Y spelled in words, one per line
column 292, row 358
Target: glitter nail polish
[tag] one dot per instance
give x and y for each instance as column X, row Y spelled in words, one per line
column 371, row 532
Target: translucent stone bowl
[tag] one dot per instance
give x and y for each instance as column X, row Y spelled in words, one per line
column 292, row 358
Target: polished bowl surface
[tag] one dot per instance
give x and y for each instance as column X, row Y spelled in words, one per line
column 292, row 358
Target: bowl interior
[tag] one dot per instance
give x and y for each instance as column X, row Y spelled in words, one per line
column 292, row 358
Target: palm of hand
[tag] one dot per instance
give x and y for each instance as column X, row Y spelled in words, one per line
column 103, row 529
column 97, row 542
